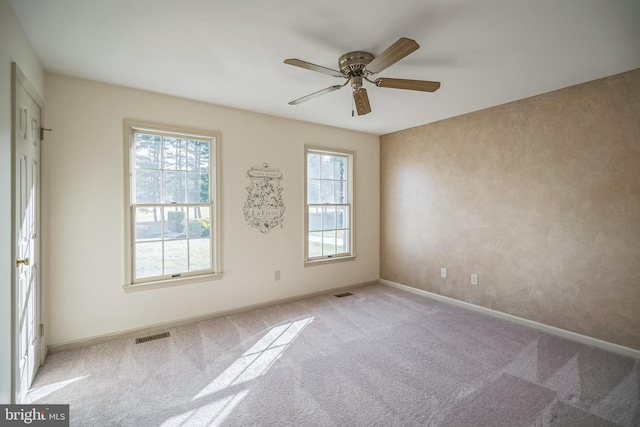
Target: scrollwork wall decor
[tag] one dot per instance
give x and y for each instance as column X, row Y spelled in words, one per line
column 264, row 208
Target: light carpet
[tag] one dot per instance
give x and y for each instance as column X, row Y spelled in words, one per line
column 381, row 357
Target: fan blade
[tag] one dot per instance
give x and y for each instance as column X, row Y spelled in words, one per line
column 422, row 85
column 393, row 54
column 313, row 67
column 315, row 94
column 362, row 101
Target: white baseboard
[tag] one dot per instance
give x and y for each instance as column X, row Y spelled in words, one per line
column 137, row 332
column 584, row 339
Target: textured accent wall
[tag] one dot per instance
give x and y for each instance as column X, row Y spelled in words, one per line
column 539, row 197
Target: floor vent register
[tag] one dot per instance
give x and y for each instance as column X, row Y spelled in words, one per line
column 152, row 337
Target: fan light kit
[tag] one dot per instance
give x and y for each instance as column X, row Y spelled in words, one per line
column 357, row 66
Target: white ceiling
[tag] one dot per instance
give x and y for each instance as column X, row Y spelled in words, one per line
column 231, row 53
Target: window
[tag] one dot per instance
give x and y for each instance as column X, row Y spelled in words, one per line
column 329, row 204
column 172, row 211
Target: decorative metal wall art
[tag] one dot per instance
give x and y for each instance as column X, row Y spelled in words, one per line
column 264, row 208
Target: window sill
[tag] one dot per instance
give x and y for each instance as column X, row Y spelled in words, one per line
column 135, row 287
column 329, row 260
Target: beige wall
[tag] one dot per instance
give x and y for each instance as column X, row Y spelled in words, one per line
column 84, row 205
column 14, row 47
column 540, row 197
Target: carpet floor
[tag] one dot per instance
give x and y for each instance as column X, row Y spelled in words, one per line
column 380, row 357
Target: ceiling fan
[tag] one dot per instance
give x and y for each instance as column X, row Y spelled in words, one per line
column 357, row 66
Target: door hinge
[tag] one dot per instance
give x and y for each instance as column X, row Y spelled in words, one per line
column 42, row 132
column 41, row 329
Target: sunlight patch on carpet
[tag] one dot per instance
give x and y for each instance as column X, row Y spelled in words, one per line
column 209, row 414
column 254, row 363
column 258, row 359
column 36, row 394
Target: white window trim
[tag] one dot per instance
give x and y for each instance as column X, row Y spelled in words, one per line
column 129, row 228
column 352, row 163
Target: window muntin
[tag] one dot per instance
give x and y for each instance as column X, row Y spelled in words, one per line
column 172, row 214
column 329, row 204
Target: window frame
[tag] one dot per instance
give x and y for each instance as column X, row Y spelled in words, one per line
column 130, row 127
column 351, row 159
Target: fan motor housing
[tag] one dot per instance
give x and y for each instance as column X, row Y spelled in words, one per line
column 352, row 63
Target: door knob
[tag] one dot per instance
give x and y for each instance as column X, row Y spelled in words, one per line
column 22, row 261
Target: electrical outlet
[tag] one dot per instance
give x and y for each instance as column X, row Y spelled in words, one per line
column 443, row 273
column 474, row 279
column 276, row 275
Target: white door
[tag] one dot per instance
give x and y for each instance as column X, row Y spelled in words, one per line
column 27, row 233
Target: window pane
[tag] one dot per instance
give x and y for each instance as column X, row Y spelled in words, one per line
column 338, row 192
column 198, row 155
column 313, row 166
column 199, row 222
column 199, row 254
column 148, row 259
column 315, row 244
column 342, row 217
column 315, row 218
column 147, row 186
column 327, row 167
column 329, row 218
column 175, row 223
column 175, row 257
column 329, row 243
column 342, row 245
column 340, row 188
column 340, row 172
column 326, row 192
column 313, row 191
column 175, row 155
column 173, row 190
column 147, row 151
column 148, row 223
column 198, row 187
